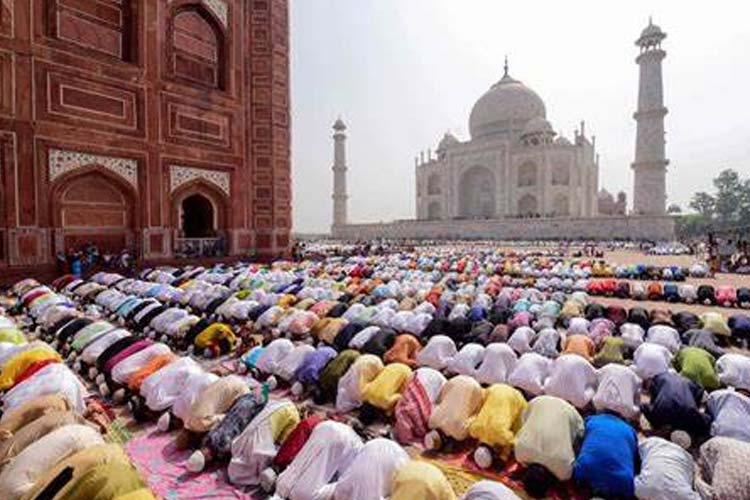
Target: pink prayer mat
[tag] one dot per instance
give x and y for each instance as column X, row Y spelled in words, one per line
column 163, row 467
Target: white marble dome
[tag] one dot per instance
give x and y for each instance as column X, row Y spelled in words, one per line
column 508, row 105
column 538, row 125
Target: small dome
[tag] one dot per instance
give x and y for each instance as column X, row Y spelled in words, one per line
column 651, row 30
column 339, row 125
column 651, row 36
column 538, row 125
column 507, row 105
column 563, row 141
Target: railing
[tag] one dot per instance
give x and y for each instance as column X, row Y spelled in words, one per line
column 200, row 247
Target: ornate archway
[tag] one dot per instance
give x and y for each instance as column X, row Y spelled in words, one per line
column 197, row 217
column 476, row 193
column 434, row 211
column 92, row 206
column 200, row 218
column 561, row 206
column 527, row 205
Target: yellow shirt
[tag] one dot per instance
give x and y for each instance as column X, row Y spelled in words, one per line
column 16, row 365
column 214, row 333
column 499, row 420
column 385, row 391
column 283, row 421
column 420, row 480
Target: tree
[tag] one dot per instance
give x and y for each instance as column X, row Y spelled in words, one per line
column 704, row 204
column 728, row 194
column 674, row 208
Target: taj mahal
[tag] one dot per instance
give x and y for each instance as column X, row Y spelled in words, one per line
column 516, row 178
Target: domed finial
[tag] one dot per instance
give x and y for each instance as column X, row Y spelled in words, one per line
column 650, row 20
column 339, row 125
column 505, row 67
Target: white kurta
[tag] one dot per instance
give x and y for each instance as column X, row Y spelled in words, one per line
column 734, row 370
column 619, row 390
column 467, row 360
column 530, row 372
column 666, row 336
column 125, row 369
column 369, row 477
column 254, row 449
column 499, row 361
column 666, row 471
column 650, row 360
column 437, row 353
column 329, row 452
column 162, row 388
column 192, row 387
column 573, row 379
column 272, row 356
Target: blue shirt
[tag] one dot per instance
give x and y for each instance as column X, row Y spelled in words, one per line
column 607, row 458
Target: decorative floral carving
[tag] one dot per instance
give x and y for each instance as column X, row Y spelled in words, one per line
column 219, row 8
column 62, row 161
column 179, row 175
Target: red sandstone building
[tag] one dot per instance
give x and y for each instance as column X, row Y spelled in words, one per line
column 147, row 124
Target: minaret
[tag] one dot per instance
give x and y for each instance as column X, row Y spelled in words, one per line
column 339, row 174
column 650, row 165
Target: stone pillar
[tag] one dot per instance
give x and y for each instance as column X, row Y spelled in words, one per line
column 650, row 164
column 339, row 174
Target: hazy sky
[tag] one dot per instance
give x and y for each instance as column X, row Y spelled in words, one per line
column 402, row 72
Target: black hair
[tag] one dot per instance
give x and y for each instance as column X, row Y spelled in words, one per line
column 537, row 480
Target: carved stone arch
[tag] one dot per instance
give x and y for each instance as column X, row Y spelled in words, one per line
column 434, row 211
column 434, row 184
column 91, row 204
column 476, row 193
column 528, row 174
column 219, row 202
column 528, row 205
column 561, row 205
column 198, row 44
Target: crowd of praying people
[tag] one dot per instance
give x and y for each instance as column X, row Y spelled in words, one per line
column 353, row 377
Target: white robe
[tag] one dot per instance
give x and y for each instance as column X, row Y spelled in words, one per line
column 369, row 477
column 125, row 369
column 92, row 351
column 437, row 353
column 193, row 385
column 52, row 379
column 734, row 370
column 361, row 338
column 573, row 379
column 666, row 471
column 329, row 451
column 730, row 412
column 254, row 449
column 530, row 372
column 619, row 391
column 632, row 334
column 349, row 388
column 489, row 490
column 666, row 336
column 162, row 388
column 288, row 365
column 521, row 339
column 272, row 356
column 499, row 361
column 650, row 360
column 467, row 360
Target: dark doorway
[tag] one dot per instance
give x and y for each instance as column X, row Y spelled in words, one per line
column 197, row 217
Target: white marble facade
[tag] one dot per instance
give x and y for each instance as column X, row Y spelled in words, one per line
column 513, row 166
